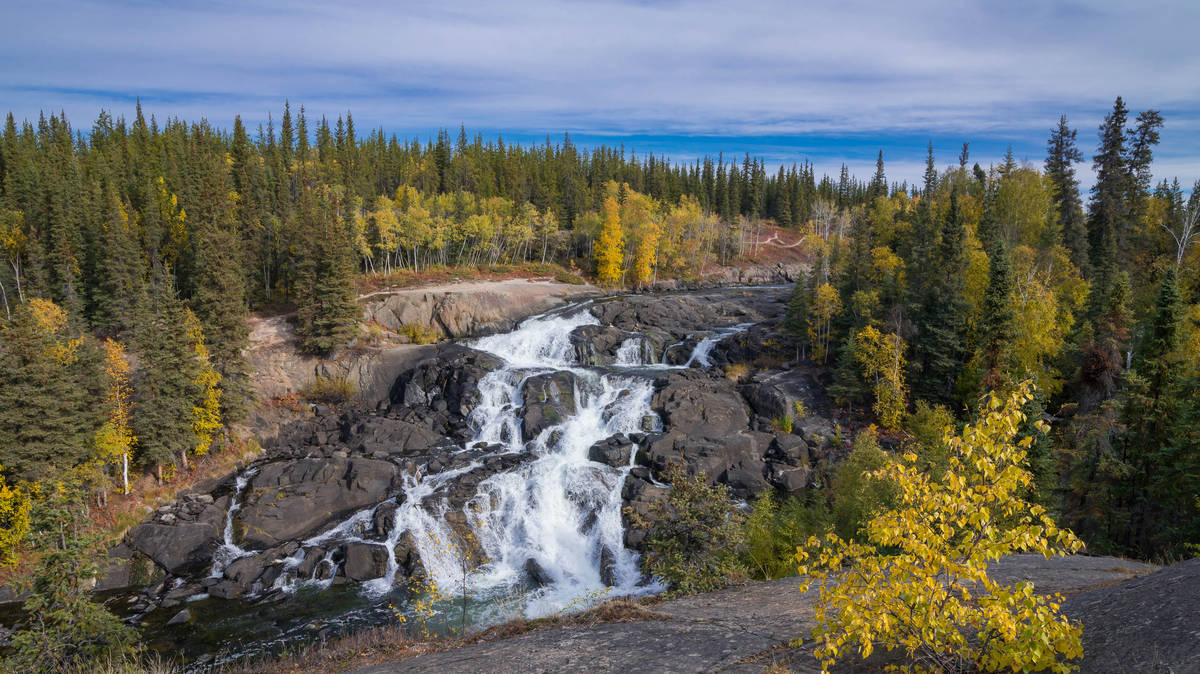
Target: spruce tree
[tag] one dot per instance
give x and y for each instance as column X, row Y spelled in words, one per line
column 49, row 392
column 795, row 320
column 878, row 187
column 327, row 315
column 998, row 319
column 121, row 282
column 1061, row 156
column 941, row 323
column 219, row 295
column 1108, row 211
column 166, row 392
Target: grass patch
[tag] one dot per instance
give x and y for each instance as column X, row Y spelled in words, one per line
column 331, row 389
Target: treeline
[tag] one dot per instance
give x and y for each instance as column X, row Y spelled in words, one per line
column 921, row 303
column 132, row 254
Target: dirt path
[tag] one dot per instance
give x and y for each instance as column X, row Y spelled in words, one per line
column 745, row 628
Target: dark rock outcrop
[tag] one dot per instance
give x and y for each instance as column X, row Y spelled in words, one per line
column 597, row 344
column 449, row 380
column 288, row 499
column 549, row 401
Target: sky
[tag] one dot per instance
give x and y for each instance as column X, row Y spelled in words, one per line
column 791, row 81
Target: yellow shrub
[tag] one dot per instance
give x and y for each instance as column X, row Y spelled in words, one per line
column 14, row 522
column 418, row 334
column 930, row 595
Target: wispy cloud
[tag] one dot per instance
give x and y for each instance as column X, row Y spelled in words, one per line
column 877, row 73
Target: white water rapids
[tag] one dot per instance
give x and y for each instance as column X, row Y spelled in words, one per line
column 555, row 516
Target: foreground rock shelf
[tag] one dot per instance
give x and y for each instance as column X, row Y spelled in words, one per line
column 747, row 628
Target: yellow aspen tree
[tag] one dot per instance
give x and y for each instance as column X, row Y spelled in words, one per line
column 51, row 320
column 882, row 357
column 14, row 521
column 115, row 439
column 610, row 245
column 646, row 258
column 206, row 415
column 826, row 305
column 919, row 582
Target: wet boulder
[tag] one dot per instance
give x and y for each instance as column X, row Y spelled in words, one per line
column 613, row 451
column 537, row 575
column 596, row 344
column 289, row 500
column 549, row 401
column 365, row 561
column 180, row 548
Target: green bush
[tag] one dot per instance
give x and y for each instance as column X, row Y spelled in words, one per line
column 927, row 426
column 856, row 497
column 777, row 526
column 694, row 533
column 784, row 423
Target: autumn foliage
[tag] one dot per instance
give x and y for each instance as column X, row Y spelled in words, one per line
column 919, row 582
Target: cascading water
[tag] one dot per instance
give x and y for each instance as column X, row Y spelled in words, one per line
column 554, row 518
column 229, row 551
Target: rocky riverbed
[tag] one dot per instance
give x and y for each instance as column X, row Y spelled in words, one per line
column 498, row 468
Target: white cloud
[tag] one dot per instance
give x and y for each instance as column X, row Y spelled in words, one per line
column 1001, row 70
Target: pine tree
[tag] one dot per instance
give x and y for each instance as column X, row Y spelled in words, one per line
column 1108, row 211
column 998, row 319
column 878, row 187
column 49, row 385
column 166, row 392
column 796, row 319
column 219, row 295
column 327, row 315
column 121, row 283
column 941, row 323
column 1061, row 156
column 69, row 630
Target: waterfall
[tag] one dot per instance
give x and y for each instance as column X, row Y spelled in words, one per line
column 550, row 526
column 228, row 552
column 630, row 352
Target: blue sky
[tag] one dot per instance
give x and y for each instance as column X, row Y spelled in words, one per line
column 830, row 82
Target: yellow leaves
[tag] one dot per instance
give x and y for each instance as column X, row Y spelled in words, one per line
column 12, row 234
column 115, row 438
column 51, row 321
column 646, row 256
column 610, row 245
column 174, row 220
column 827, row 304
column 14, row 521
column 933, row 592
column 206, row 416
column 882, row 357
